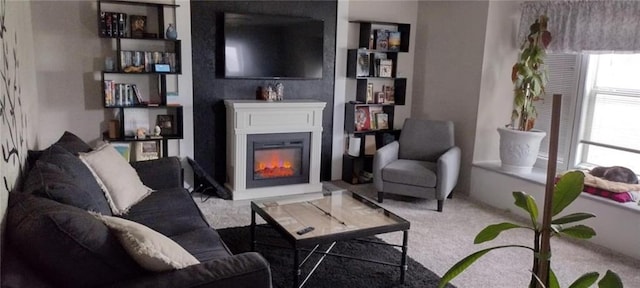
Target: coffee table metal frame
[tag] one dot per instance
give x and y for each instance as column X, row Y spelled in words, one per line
column 312, row 244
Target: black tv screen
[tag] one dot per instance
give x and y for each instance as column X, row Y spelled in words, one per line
column 269, row 46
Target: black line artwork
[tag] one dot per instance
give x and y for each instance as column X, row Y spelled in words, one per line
column 14, row 118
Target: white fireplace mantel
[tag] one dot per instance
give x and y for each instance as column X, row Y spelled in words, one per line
column 245, row 117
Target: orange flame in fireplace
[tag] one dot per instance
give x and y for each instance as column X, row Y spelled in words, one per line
column 274, row 168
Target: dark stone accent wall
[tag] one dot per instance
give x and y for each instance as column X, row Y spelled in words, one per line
column 210, row 89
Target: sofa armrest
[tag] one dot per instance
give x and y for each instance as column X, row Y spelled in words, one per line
column 242, row 270
column 160, row 173
column 385, row 155
column 448, row 170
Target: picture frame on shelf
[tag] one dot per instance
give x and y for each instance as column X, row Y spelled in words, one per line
column 380, row 97
column 382, row 120
column 386, row 68
column 394, row 41
column 124, row 148
column 166, row 124
column 362, row 69
column 382, row 39
column 389, row 95
column 147, row 150
column 138, row 25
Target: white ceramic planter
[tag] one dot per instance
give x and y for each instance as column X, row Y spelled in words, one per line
column 519, row 149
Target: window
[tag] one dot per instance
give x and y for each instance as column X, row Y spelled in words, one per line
column 600, row 110
column 609, row 133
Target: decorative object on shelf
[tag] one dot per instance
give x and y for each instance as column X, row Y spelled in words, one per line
column 157, row 131
column 171, row 32
column 162, row 68
column 519, row 144
column 386, row 67
column 369, row 144
column 279, row 91
column 166, row 124
column 354, row 146
column 394, row 41
column 112, row 131
column 363, row 64
column 141, row 133
column 369, row 99
column 147, row 150
column 138, row 26
column 380, row 97
column 109, row 64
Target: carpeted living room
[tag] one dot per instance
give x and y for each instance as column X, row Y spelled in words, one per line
column 184, row 143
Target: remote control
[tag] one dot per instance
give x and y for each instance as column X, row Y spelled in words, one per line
column 305, row 230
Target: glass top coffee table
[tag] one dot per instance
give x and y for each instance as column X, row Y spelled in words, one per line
column 340, row 216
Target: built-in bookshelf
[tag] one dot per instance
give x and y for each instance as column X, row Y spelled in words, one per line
column 134, row 78
column 379, row 88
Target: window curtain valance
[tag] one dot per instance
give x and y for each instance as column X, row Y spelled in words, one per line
column 581, row 26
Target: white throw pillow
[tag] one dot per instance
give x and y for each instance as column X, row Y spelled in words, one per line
column 120, row 182
column 152, row 250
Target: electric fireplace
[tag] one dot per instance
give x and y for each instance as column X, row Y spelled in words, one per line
column 273, row 148
column 277, row 159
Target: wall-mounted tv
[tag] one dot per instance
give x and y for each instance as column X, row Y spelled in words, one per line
column 270, row 46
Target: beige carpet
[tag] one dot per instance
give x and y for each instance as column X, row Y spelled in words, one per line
column 439, row 240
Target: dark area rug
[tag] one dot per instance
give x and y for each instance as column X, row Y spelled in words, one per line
column 333, row 272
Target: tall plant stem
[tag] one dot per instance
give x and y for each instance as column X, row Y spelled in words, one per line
column 536, row 259
column 545, row 245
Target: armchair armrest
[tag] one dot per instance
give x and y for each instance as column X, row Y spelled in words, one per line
column 160, row 173
column 383, row 157
column 239, row 271
column 448, row 170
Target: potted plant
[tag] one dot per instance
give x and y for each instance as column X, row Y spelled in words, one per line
column 567, row 189
column 519, row 142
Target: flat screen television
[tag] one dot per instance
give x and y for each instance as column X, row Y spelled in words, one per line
column 270, row 46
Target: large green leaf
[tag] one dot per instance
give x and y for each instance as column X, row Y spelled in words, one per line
column 586, row 280
column 610, row 280
column 578, row 231
column 492, row 231
column 463, row 264
column 567, row 189
column 574, row 217
column 553, row 280
column 526, row 202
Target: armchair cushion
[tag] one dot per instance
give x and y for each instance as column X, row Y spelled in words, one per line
column 414, row 133
column 410, row 172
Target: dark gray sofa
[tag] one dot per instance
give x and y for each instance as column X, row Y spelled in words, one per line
column 52, row 241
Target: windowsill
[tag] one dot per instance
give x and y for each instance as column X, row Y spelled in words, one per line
column 539, row 176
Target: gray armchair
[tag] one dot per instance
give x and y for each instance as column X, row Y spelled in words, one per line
column 423, row 163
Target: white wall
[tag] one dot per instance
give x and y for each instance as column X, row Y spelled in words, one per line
column 20, row 111
column 496, row 90
column 449, row 57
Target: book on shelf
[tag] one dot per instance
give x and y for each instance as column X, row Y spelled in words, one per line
column 385, row 68
column 394, row 40
column 122, row 22
column 362, row 121
column 103, row 24
column 389, row 95
column 382, row 120
column 137, row 93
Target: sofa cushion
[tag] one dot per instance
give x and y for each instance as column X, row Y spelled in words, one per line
column 152, row 250
column 61, row 176
column 411, row 172
column 73, row 143
column 65, row 244
column 120, row 182
column 168, row 211
column 204, row 244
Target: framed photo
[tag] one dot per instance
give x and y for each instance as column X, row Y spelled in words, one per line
column 147, row 150
column 382, row 40
column 138, row 25
column 380, row 97
column 124, row 148
column 382, row 120
column 369, row 99
column 394, row 41
column 389, row 95
column 166, row 124
column 386, row 67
